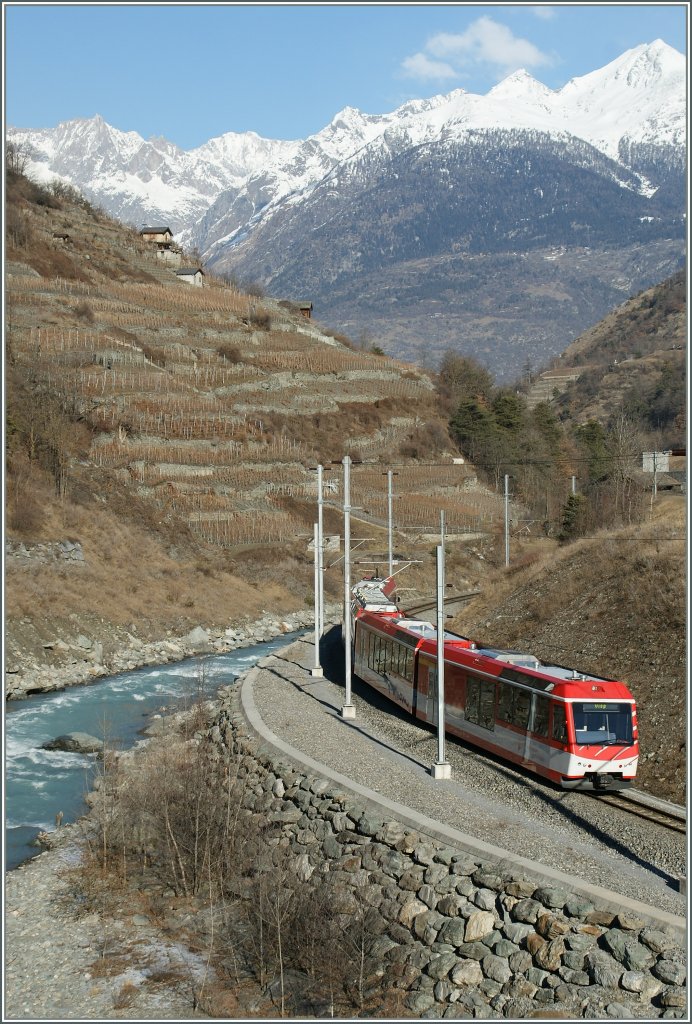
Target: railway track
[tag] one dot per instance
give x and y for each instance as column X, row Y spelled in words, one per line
column 662, row 812
column 450, row 601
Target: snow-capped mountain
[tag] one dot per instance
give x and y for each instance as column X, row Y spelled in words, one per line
column 598, row 163
column 141, row 181
column 637, row 99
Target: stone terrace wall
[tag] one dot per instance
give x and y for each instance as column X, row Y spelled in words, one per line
column 464, row 938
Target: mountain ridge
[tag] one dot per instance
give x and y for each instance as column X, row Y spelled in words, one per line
column 276, row 212
column 346, row 133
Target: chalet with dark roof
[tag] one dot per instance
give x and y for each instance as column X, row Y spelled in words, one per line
column 157, row 234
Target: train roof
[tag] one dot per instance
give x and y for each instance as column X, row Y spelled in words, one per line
column 507, row 664
column 511, row 665
column 371, row 597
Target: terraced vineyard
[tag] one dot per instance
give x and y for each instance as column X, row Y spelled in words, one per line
column 214, row 404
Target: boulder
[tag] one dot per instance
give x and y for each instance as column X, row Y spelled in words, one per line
column 75, row 743
column 197, row 638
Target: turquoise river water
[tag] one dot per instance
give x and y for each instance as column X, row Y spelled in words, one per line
column 40, row 783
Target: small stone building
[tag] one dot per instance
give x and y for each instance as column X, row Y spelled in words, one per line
column 192, row 275
column 305, row 309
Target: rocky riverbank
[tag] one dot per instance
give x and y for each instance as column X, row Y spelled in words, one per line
column 94, row 649
column 66, row 964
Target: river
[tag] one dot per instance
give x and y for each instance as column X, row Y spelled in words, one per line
column 40, row 783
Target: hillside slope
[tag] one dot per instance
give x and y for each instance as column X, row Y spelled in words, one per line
column 171, row 432
column 613, row 605
column 168, row 434
column 634, row 360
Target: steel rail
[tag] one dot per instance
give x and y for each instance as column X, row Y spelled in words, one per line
column 660, row 812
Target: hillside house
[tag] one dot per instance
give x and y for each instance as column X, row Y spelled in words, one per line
column 305, row 309
column 161, row 234
column 192, row 275
column 665, row 471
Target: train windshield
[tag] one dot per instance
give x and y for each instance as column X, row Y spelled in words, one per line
column 602, row 723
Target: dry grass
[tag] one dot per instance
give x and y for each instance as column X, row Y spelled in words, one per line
column 124, row 996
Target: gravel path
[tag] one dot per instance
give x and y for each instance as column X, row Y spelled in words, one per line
column 389, row 753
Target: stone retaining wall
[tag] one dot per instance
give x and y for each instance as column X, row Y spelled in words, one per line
column 463, row 937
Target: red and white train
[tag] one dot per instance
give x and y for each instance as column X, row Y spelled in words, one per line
column 578, row 730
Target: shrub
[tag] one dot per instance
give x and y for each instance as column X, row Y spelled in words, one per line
column 83, row 311
column 26, row 514
column 260, row 319
column 18, row 231
column 231, row 353
column 154, row 354
column 63, row 190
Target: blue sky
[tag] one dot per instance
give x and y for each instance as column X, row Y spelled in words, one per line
column 190, row 72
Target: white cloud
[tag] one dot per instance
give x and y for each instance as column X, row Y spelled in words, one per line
column 485, row 43
column 543, row 11
column 421, row 66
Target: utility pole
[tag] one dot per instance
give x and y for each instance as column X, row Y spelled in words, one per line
column 506, row 520
column 348, row 710
column 320, row 533
column 317, row 670
column 390, row 530
column 442, row 546
column 574, row 485
column 441, row 769
column 389, row 522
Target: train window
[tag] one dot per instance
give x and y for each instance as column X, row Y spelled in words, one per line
column 486, row 715
column 540, row 716
column 473, row 692
column 505, row 707
column 559, row 732
column 522, row 708
column 602, row 722
column 382, row 657
column 405, row 663
column 480, row 702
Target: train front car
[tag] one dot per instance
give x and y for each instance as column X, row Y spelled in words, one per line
column 603, row 735
column 578, row 730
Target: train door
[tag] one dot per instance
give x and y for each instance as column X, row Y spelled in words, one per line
column 425, row 703
column 537, row 730
column 431, row 708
